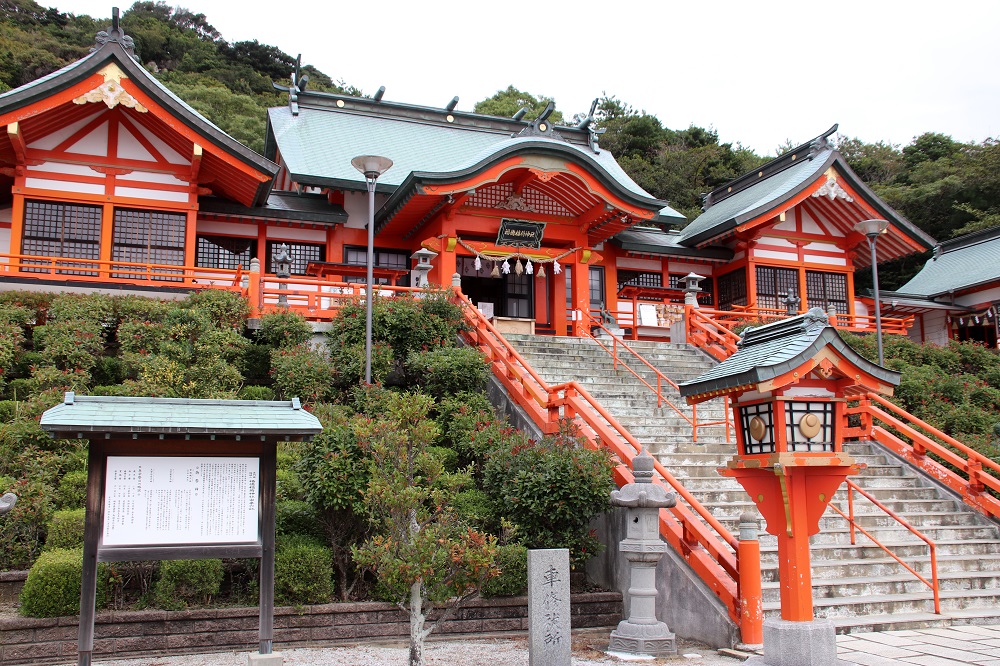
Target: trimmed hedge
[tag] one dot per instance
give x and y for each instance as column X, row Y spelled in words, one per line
column 187, row 582
column 53, row 585
column 66, row 530
column 303, row 572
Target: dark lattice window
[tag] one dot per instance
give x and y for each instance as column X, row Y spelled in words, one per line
column 148, row 237
column 704, row 298
column 826, row 289
column 597, row 288
column 820, row 425
column 61, row 230
column 383, row 259
column 302, row 254
column 225, row 252
column 773, row 286
column 639, row 279
column 758, row 427
column 732, row 289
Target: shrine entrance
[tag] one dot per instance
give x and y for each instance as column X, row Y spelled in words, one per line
column 502, row 295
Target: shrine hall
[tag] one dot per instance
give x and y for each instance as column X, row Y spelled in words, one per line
column 108, row 181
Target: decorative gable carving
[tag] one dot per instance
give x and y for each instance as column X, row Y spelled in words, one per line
column 111, row 93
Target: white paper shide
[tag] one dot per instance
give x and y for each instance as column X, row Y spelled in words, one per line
column 181, row 500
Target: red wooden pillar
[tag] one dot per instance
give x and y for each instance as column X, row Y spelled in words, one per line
column 557, row 300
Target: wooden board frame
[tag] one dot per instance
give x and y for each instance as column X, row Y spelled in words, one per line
column 94, row 551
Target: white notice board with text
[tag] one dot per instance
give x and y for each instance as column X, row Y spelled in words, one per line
column 159, row 500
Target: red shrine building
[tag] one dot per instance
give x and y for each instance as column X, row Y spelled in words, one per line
column 108, row 181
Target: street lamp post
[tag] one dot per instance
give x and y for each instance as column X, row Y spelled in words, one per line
column 872, row 229
column 372, row 166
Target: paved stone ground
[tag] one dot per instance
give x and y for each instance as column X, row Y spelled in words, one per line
column 952, row 646
column 492, row 652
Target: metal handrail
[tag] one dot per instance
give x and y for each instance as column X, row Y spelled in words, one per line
column 933, row 584
column 660, row 379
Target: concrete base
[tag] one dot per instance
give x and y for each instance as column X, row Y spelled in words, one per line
column 654, row 640
column 257, row 659
column 798, row 644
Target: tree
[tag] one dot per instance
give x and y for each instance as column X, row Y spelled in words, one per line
column 421, row 552
column 506, row 103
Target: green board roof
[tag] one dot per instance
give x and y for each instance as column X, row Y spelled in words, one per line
column 89, row 415
column 769, row 351
column 317, row 143
column 961, row 263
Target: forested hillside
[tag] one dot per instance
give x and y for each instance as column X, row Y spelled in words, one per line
column 944, row 186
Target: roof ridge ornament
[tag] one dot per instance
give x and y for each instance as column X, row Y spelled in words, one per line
column 541, row 126
column 115, row 34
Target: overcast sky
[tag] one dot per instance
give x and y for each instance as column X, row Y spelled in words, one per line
column 758, row 72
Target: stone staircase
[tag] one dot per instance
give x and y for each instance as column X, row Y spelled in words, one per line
column 859, row 587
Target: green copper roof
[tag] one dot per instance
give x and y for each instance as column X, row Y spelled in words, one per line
column 772, row 350
column 318, row 142
column 177, row 416
column 961, row 263
column 755, row 199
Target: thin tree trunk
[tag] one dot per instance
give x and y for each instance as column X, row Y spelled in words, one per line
column 416, row 625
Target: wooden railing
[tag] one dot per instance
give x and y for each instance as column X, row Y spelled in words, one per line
column 713, row 330
column 966, row 471
column 697, row 536
column 119, row 272
column 933, row 583
column 661, row 379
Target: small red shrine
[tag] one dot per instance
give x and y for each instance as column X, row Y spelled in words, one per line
column 789, row 383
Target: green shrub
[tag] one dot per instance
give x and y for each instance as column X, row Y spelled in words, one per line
column 476, row 509
column 66, row 530
column 283, row 329
column 53, row 585
column 72, row 491
column 349, row 364
column 8, row 410
column 447, row 371
column 301, row 372
column 74, row 344
column 187, row 582
column 551, row 489
column 447, row 457
column 295, row 517
column 22, row 529
column 96, row 308
column 109, row 371
column 226, row 309
column 458, row 417
column 256, row 393
column 512, row 560
column 256, row 365
column 302, row 572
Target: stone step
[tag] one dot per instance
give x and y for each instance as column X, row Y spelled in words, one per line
column 903, row 583
column 891, row 604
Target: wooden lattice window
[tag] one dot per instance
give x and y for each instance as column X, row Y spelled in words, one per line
column 639, row 279
column 226, row 252
column 732, row 289
column 61, row 230
column 774, row 285
column 148, row 237
column 302, row 254
column 826, row 289
column 383, row 259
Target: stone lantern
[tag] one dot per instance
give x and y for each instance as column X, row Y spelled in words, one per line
column 423, row 257
column 789, row 382
column 7, row 502
column 692, row 288
column 282, row 260
column 642, row 633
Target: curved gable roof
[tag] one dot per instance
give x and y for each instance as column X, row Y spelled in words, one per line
column 961, row 263
column 114, row 52
column 772, row 186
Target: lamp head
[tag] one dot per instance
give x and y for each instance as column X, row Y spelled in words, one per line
column 871, row 228
column 372, row 166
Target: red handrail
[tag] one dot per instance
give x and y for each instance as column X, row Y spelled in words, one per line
column 933, row 584
column 685, row 526
column 660, row 379
column 974, row 486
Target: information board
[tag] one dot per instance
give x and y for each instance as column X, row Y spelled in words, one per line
column 154, row 500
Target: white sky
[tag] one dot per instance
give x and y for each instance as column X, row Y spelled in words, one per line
column 758, row 72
